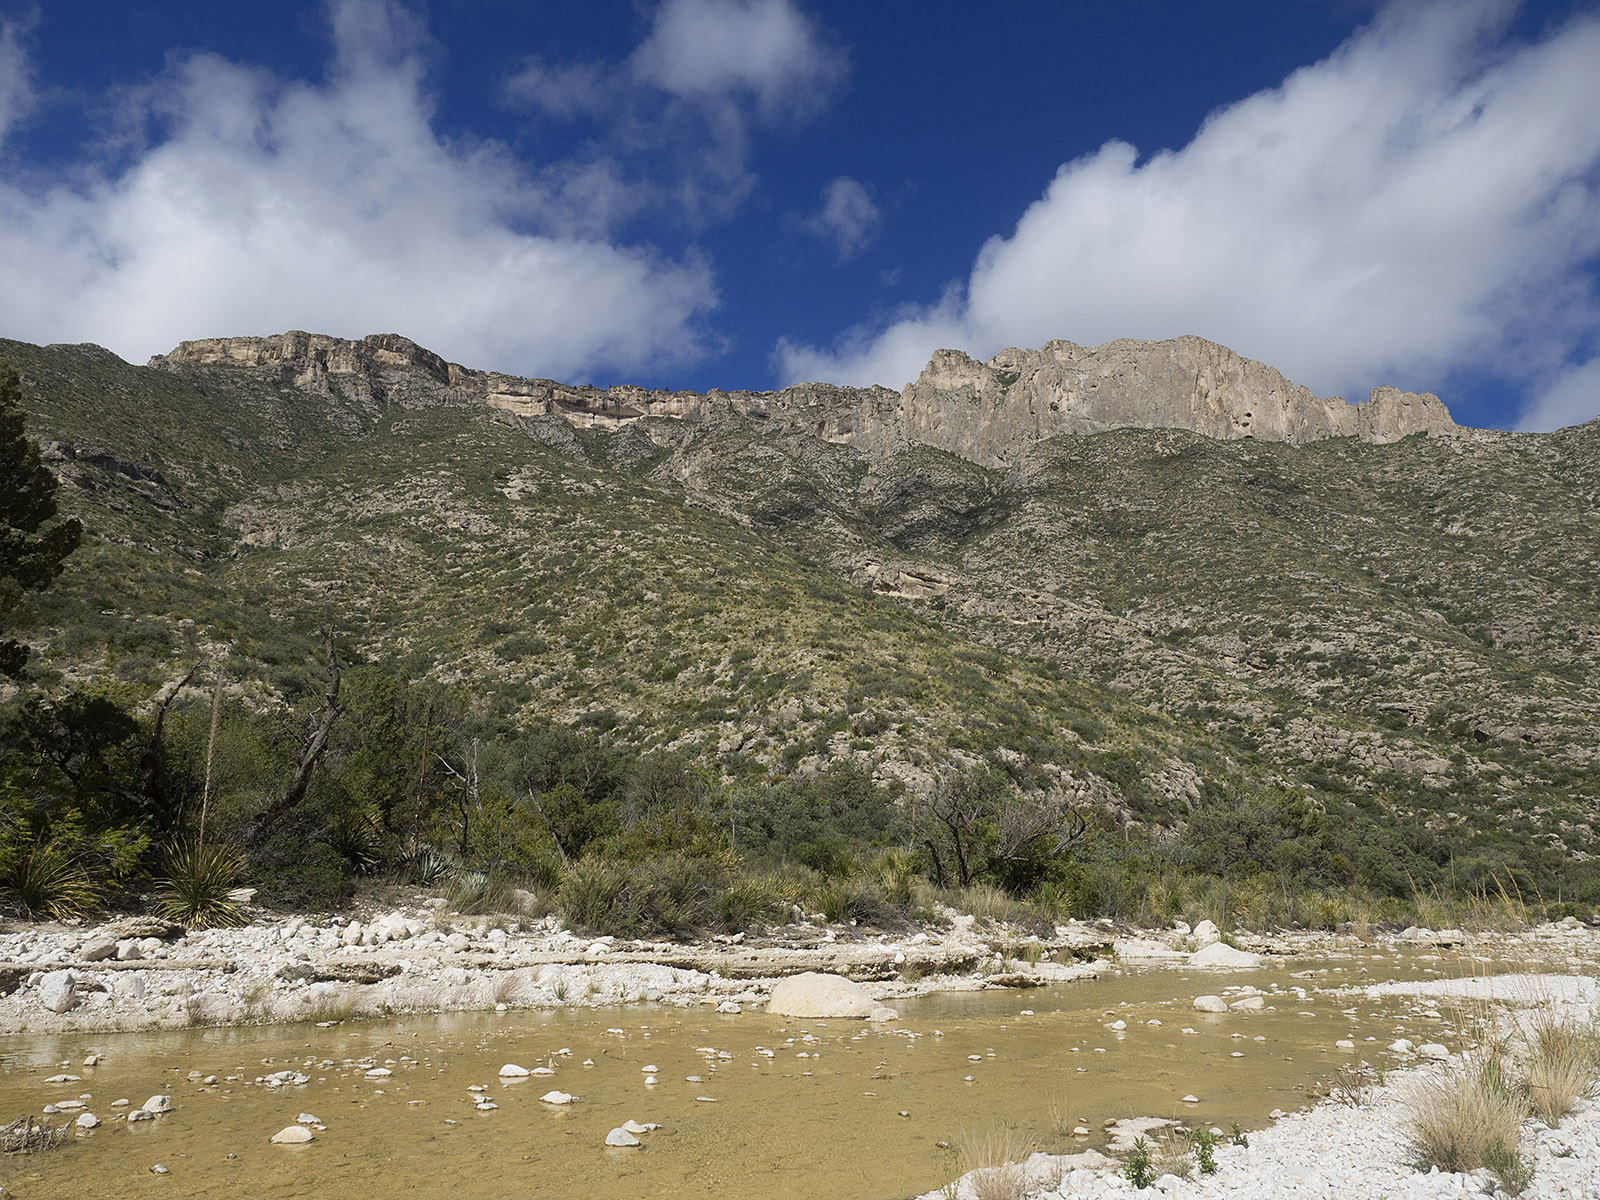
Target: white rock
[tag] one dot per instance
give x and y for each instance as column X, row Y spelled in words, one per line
column 632, row 1126
column 65, row 1079
column 1402, row 1046
column 309, row 1119
column 730, row 1007
column 158, row 1103
column 816, row 995
column 621, row 1137
column 97, row 948
column 1248, row 1004
column 379, row 1073
column 512, row 1071
column 1344, row 1044
column 1220, row 954
column 292, row 1135
column 86, row 1120
column 1206, row 933
column 1210, row 1004
column 1434, row 1050
column 557, row 1097
column 58, row 991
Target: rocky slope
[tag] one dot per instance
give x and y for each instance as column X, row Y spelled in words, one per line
column 1286, row 589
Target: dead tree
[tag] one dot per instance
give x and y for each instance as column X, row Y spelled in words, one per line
column 305, row 762
column 153, row 795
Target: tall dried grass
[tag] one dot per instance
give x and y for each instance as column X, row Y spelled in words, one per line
column 992, row 1160
column 1455, row 1117
column 1561, row 1067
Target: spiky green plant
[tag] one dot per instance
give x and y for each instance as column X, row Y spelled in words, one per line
column 49, row 881
column 198, row 883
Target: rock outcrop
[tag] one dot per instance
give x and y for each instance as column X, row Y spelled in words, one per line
column 988, row 412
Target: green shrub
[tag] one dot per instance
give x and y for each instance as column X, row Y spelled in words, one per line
column 673, row 896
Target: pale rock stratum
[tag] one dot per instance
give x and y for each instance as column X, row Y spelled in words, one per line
column 987, row 412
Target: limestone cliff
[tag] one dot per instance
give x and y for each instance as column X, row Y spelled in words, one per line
column 989, row 413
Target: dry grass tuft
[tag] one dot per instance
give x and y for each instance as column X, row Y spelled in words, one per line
column 994, row 1160
column 1463, row 1119
column 1170, row 1156
column 1561, row 1067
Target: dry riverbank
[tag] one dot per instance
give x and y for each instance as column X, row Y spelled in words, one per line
column 416, row 956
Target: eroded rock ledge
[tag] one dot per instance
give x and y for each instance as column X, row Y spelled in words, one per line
column 988, row 412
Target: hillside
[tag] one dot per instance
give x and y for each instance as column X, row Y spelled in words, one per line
column 1370, row 603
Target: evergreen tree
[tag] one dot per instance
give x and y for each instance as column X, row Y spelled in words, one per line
column 33, row 544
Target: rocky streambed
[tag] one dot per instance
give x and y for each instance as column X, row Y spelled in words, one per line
column 1068, row 1038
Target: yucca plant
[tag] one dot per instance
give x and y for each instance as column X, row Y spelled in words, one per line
column 197, row 889
column 49, row 881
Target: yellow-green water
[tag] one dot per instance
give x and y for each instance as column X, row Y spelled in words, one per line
column 839, row 1109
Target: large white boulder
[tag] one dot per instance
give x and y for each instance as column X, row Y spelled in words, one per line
column 1220, row 954
column 1210, row 1004
column 58, row 991
column 1206, row 933
column 820, row 996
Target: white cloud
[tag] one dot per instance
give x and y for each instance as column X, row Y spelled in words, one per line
column 1572, row 399
column 848, row 218
column 16, row 77
column 711, row 50
column 257, row 205
column 677, row 115
column 1421, row 201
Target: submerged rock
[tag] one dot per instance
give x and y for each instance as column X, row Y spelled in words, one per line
column 292, row 1135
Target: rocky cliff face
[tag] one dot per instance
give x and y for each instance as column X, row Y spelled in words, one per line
column 989, row 413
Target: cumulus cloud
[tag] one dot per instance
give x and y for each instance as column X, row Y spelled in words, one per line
column 252, row 204
column 847, row 219
column 1421, row 201
column 676, row 116
column 712, row 50
column 1572, row 399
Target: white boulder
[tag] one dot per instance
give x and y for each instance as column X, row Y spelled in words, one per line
column 820, row 996
column 1210, row 1004
column 58, row 991
column 1220, row 954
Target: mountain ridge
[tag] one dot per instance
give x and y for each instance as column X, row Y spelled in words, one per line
column 988, row 412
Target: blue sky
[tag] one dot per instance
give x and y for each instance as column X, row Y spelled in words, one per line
column 741, row 193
